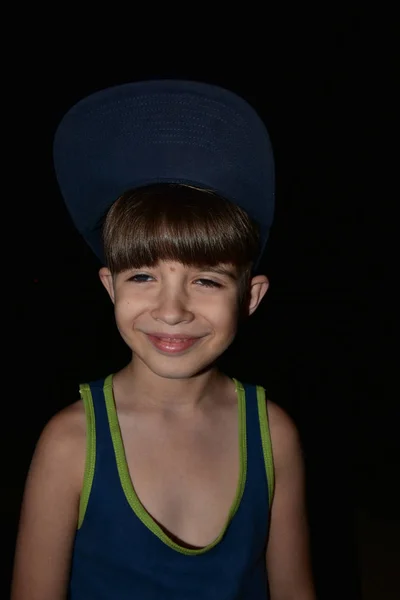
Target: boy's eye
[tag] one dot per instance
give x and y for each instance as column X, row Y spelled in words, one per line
column 140, row 278
column 209, row 283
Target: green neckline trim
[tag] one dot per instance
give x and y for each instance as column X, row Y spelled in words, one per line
column 130, row 492
column 90, row 462
column 266, row 442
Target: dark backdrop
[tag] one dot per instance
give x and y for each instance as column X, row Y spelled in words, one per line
column 322, row 341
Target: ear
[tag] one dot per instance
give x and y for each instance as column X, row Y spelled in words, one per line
column 106, row 279
column 258, row 288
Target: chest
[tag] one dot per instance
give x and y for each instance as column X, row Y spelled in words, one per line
column 185, row 472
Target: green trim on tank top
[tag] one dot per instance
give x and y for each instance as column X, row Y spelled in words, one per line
column 266, row 442
column 86, row 396
column 130, row 492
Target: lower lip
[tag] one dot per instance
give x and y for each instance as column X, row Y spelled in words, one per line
column 172, row 346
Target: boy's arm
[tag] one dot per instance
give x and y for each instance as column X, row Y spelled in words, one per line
column 288, row 556
column 49, row 514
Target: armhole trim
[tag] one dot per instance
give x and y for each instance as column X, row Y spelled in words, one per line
column 266, row 442
column 87, row 399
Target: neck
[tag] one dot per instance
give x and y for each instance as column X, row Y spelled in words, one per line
column 140, row 386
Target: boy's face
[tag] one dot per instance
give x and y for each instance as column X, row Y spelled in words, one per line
column 179, row 319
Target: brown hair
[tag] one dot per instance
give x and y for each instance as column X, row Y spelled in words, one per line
column 178, row 222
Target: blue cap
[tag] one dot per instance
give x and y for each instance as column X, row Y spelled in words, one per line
column 149, row 132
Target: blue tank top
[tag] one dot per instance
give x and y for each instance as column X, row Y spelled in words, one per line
column 121, row 553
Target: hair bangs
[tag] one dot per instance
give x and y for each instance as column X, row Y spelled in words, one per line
column 179, row 223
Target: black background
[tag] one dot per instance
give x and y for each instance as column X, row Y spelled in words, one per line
column 322, row 342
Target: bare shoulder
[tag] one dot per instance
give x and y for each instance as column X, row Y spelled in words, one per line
column 66, row 427
column 284, row 434
column 62, row 442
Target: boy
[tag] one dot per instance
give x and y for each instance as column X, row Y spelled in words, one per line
column 160, row 483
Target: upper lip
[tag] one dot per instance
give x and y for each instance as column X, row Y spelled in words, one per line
column 173, row 336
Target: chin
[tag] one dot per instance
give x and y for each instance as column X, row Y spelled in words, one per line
column 179, row 372
column 178, row 367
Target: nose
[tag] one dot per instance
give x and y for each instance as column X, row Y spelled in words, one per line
column 172, row 308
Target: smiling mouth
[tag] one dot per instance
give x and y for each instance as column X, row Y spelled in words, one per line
column 172, row 345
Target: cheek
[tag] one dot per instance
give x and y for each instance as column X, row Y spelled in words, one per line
column 225, row 316
column 124, row 310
